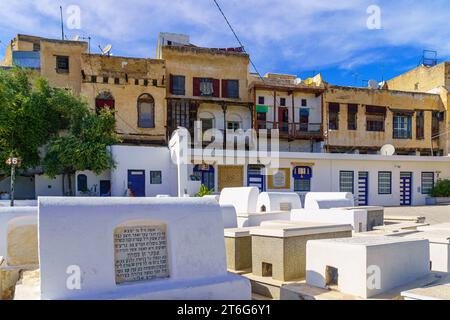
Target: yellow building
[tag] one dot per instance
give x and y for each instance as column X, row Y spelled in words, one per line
column 431, row 79
column 362, row 120
column 134, row 88
column 207, row 85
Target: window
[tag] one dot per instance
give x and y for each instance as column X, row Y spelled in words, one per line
column 304, row 119
column 105, row 79
column 346, row 181
column 36, row 47
column 233, row 125
column 94, row 79
column 180, row 114
column 207, row 124
column 333, row 110
column 420, row 125
column 177, row 85
column 375, row 118
column 230, row 89
column 261, row 118
column 384, row 182
column 375, row 123
column 82, row 183
column 104, row 100
column 304, row 103
column 146, row 111
column 283, row 102
column 261, row 100
column 302, row 185
column 155, row 82
column 206, row 87
column 116, row 81
column 136, row 82
column 402, row 126
column 62, row 64
column 146, row 82
column 352, row 117
column 427, row 182
column 155, row 177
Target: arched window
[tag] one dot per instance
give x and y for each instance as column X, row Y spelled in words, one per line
column 146, row 111
column 104, row 100
column 82, row 183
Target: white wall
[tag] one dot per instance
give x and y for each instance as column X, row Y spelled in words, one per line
column 143, row 158
column 24, row 187
column 93, row 181
column 46, row 187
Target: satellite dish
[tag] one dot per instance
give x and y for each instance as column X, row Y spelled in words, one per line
column 373, row 84
column 388, row 150
column 107, row 50
column 76, row 38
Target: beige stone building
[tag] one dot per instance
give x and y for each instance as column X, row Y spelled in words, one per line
column 362, row 120
column 431, row 79
column 134, row 88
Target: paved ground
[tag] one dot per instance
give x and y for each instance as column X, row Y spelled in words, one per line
column 433, row 214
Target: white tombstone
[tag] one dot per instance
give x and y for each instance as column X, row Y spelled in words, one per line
column 229, row 216
column 439, row 247
column 18, row 228
column 328, row 200
column 357, row 217
column 278, row 201
column 243, row 199
column 134, row 248
column 365, row 266
column 255, row 219
column 214, row 196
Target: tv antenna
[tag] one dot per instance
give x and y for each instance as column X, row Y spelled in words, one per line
column 106, row 51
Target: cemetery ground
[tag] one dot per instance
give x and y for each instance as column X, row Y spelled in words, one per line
column 432, row 214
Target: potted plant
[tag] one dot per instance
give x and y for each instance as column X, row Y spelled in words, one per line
column 440, row 194
column 204, row 191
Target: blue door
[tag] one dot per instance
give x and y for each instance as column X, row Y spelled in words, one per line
column 363, row 189
column 255, row 178
column 205, row 173
column 406, row 188
column 256, row 181
column 136, row 182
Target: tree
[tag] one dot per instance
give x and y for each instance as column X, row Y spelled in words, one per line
column 83, row 147
column 31, row 112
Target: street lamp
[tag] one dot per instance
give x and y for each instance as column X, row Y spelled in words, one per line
column 13, row 162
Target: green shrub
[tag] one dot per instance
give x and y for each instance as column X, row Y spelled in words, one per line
column 441, row 189
column 204, row 191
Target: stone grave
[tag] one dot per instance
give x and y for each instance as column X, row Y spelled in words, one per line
column 366, row 266
column 134, row 248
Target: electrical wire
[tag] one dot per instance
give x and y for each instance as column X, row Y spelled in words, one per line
column 237, row 38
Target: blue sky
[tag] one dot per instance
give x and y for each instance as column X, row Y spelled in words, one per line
column 287, row 36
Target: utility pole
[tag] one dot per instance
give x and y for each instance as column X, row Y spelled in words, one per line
column 14, row 162
column 62, row 23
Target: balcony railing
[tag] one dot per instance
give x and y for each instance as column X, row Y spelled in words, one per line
column 294, row 130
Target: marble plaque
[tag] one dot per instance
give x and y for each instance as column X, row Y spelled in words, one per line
column 140, row 253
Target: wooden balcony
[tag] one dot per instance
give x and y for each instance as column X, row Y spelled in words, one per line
column 294, row 131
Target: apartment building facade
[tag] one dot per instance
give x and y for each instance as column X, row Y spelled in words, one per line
column 152, row 98
column 363, row 120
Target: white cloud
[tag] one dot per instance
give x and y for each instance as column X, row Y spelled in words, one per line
column 290, row 34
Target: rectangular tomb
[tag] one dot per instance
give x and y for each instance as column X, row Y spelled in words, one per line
column 140, row 248
column 279, row 251
column 238, row 243
column 366, row 266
